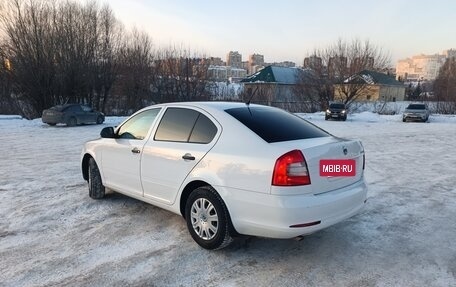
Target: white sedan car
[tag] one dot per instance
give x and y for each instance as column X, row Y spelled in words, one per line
column 230, row 169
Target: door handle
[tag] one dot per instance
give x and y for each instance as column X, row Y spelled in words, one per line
column 135, row 150
column 188, row 156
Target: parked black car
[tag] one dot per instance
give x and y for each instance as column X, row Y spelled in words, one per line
column 336, row 111
column 71, row 115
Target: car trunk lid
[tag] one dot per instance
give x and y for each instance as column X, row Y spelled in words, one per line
column 326, row 148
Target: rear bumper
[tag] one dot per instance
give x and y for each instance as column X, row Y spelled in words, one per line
column 52, row 119
column 271, row 216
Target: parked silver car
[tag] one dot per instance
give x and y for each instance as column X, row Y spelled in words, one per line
column 416, row 112
column 71, row 115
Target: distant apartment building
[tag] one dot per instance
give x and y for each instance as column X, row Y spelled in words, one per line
column 422, row 67
column 226, row 73
column 285, row 64
column 313, row 62
column 245, row 65
column 234, row 59
column 216, row 61
column 256, row 63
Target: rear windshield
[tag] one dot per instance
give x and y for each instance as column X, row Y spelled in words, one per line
column 337, row 106
column 416, row 107
column 58, row 108
column 275, row 125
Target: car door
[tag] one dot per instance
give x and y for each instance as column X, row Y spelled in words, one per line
column 74, row 111
column 89, row 115
column 121, row 156
column 182, row 139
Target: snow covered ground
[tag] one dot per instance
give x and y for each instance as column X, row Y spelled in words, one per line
column 52, row 233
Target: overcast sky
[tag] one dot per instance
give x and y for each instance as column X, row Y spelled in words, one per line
column 290, row 30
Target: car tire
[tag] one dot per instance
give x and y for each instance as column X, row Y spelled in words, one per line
column 100, row 120
column 51, row 124
column 71, row 122
column 404, row 120
column 326, row 118
column 96, row 188
column 204, row 203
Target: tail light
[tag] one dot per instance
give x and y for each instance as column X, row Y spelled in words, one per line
column 290, row 170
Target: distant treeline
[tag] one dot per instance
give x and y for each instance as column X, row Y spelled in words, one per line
column 56, row 52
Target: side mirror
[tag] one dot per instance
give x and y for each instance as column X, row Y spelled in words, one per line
column 108, row 132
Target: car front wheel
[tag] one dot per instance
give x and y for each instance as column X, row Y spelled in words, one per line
column 100, row 120
column 96, row 188
column 208, row 219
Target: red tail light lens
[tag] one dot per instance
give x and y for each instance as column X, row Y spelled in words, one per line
column 290, row 170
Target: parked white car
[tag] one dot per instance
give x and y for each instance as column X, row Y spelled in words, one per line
column 415, row 112
column 230, row 169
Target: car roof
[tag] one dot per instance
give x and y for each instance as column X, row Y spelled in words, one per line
column 215, row 105
column 64, row 106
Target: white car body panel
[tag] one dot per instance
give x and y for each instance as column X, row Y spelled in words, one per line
column 239, row 165
column 121, row 167
column 163, row 169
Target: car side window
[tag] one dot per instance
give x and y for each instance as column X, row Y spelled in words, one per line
column 73, row 109
column 87, row 109
column 137, row 127
column 203, row 131
column 185, row 125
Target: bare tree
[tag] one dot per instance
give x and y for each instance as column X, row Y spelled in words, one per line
column 337, row 66
column 135, row 68
column 6, row 87
column 31, row 44
column 445, row 87
column 64, row 51
column 180, row 75
column 106, row 62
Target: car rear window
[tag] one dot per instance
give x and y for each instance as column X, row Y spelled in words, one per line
column 416, row 107
column 58, row 108
column 275, row 125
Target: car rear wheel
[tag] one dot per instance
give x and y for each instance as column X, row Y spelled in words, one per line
column 96, row 188
column 404, row 120
column 72, row 122
column 208, row 219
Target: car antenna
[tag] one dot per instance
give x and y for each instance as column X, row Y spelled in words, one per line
column 251, row 95
column 250, row 98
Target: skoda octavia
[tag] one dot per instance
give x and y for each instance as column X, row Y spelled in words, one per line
column 230, row 169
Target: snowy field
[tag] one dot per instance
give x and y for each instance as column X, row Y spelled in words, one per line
column 52, row 233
